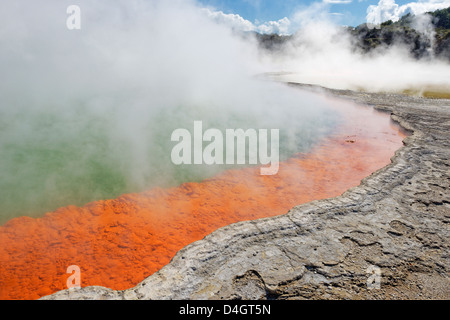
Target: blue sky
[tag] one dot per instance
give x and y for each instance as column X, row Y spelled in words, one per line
column 345, row 12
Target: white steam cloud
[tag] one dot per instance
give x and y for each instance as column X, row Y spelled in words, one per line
column 88, row 114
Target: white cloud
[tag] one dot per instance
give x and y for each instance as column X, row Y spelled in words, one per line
column 281, row 26
column 232, row 20
column 376, row 14
column 235, row 21
column 390, row 10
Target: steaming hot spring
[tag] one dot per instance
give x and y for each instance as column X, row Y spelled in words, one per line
column 87, row 118
column 118, row 243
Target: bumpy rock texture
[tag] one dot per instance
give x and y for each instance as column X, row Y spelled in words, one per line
column 397, row 220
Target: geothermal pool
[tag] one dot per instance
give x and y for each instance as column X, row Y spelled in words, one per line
column 118, row 243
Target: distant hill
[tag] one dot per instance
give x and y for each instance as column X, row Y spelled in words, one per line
column 405, row 31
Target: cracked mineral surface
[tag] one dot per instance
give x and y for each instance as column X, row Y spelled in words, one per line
column 397, row 221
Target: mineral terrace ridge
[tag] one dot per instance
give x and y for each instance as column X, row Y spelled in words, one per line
column 397, row 219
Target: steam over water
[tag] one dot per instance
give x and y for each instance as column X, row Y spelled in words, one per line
column 88, row 114
column 118, row 243
column 74, row 154
column 96, row 107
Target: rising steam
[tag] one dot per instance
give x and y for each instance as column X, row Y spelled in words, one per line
column 324, row 53
column 88, row 114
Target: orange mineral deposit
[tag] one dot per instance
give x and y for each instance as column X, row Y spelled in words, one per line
column 118, row 243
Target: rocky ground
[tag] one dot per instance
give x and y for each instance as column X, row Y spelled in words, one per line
column 395, row 225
